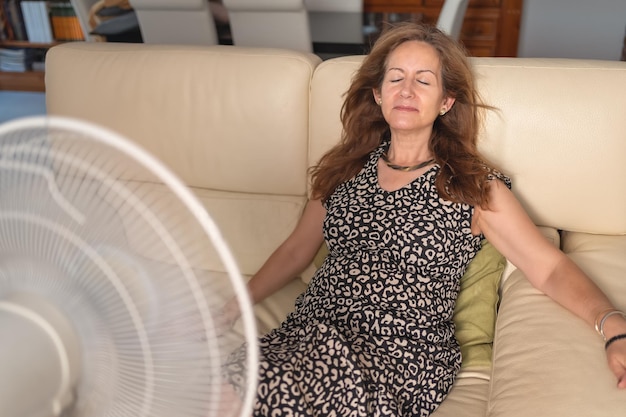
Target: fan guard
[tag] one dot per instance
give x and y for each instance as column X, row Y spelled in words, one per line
column 112, row 277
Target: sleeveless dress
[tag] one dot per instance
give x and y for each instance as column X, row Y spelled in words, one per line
column 373, row 333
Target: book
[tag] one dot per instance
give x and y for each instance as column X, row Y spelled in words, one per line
column 37, row 21
column 4, row 23
column 46, row 24
column 15, row 20
column 65, row 23
column 30, row 21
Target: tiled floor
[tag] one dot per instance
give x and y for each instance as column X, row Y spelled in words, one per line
column 14, row 104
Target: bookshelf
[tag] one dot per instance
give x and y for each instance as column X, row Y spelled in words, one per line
column 29, row 42
column 25, row 80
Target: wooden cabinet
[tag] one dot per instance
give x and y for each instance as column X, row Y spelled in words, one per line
column 490, row 28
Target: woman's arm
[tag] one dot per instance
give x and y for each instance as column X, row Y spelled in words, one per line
column 507, row 226
column 292, row 256
column 288, row 260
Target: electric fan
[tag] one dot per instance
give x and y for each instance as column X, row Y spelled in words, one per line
column 112, row 279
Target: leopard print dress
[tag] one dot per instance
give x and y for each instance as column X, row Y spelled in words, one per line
column 373, row 333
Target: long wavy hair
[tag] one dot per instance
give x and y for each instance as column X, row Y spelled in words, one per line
column 463, row 175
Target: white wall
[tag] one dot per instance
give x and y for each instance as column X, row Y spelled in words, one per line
column 592, row 29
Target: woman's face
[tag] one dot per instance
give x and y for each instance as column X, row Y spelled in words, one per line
column 411, row 95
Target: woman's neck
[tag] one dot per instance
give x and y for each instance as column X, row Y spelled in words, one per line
column 408, row 150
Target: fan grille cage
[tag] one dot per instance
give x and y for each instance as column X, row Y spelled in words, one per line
column 95, row 225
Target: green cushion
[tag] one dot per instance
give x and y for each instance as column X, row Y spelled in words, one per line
column 476, row 306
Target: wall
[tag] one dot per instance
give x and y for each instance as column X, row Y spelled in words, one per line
column 592, row 29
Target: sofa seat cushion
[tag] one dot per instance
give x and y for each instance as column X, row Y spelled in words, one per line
column 537, row 368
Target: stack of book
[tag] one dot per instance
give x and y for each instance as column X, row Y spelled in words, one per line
column 14, row 60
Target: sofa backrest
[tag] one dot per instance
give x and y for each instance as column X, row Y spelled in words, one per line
column 242, row 125
column 561, row 136
column 559, row 132
column 231, row 122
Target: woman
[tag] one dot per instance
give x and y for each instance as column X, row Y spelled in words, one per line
column 403, row 202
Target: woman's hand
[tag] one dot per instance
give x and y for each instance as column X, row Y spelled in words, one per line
column 616, row 356
column 227, row 316
column 615, row 331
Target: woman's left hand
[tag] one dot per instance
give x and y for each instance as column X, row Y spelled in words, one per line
column 616, row 356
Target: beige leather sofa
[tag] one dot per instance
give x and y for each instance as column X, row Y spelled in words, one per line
column 241, row 126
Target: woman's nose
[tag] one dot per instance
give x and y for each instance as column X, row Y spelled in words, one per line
column 406, row 91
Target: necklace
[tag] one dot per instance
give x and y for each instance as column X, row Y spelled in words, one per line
column 405, row 168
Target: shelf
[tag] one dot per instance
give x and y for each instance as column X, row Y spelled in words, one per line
column 24, row 81
column 27, row 45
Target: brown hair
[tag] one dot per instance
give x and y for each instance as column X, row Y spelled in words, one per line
column 463, row 175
